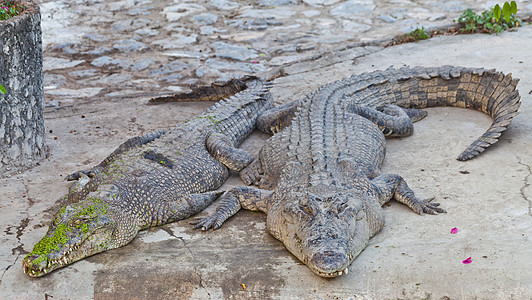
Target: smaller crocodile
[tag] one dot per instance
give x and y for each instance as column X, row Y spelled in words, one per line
column 153, row 179
column 319, row 178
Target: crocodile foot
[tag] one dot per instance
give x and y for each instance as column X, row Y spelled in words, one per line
column 251, row 174
column 427, row 207
column 229, row 205
column 79, row 174
column 206, row 223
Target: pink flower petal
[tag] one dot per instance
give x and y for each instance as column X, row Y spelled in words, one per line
column 467, row 261
column 454, row 230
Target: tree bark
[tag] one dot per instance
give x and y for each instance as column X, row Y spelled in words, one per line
column 22, row 142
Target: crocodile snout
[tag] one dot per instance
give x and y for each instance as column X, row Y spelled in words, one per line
column 330, row 263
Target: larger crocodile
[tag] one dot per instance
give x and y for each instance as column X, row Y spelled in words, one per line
column 320, row 180
column 153, row 179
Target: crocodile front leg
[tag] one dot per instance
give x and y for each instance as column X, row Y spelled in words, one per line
column 252, row 174
column 231, row 202
column 127, row 145
column 394, row 186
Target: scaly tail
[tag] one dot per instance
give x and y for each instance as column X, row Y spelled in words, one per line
column 488, row 91
column 214, row 92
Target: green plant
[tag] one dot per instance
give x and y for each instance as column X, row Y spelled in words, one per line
column 508, row 9
column 2, row 90
column 490, row 20
column 419, row 34
column 414, row 36
column 9, row 10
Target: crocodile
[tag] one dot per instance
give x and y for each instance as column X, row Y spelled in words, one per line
column 153, row 179
column 319, row 177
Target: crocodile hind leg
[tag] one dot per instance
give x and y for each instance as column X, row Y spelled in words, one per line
column 184, row 207
column 413, row 113
column 394, row 121
column 127, row 145
column 223, row 149
column 394, row 186
column 274, row 120
column 231, row 202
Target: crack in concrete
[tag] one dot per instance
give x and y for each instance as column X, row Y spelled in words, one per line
column 198, row 273
column 19, row 250
column 171, row 233
column 8, row 267
column 24, row 223
column 526, row 185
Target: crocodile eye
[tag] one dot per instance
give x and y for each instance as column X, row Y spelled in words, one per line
column 306, row 210
column 303, row 210
column 304, row 207
column 76, row 221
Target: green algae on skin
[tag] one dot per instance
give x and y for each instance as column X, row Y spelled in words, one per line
column 67, row 226
column 50, row 243
column 60, row 237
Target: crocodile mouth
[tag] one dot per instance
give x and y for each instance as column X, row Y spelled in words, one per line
column 333, row 274
column 36, row 265
column 330, row 263
column 48, row 256
column 78, row 230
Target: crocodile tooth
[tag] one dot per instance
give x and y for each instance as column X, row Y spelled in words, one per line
column 65, row 260
column 346, row 271
column 340, row 273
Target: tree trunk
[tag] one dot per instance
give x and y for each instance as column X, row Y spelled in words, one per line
column 21, row 109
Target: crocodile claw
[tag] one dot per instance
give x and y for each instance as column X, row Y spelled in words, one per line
column 77, row 175
column 251, row 174
column 206, row 223
column 426, row 206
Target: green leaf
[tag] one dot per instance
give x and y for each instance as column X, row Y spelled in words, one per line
column 506, row 11
column 2, row 90
column 513, row 7
column 497, row 12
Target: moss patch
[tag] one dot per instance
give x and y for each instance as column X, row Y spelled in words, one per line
column 49, row 243
column 62, row 234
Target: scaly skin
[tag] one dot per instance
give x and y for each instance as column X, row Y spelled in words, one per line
column 152, row 180
column 320, row 177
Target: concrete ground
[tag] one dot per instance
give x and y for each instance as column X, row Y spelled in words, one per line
column 414, row 257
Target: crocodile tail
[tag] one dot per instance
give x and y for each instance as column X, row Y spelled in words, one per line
column 214, row 92
column 488, row 91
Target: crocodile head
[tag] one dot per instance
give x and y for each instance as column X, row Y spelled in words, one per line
column 324, row 232
column 78, row 230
